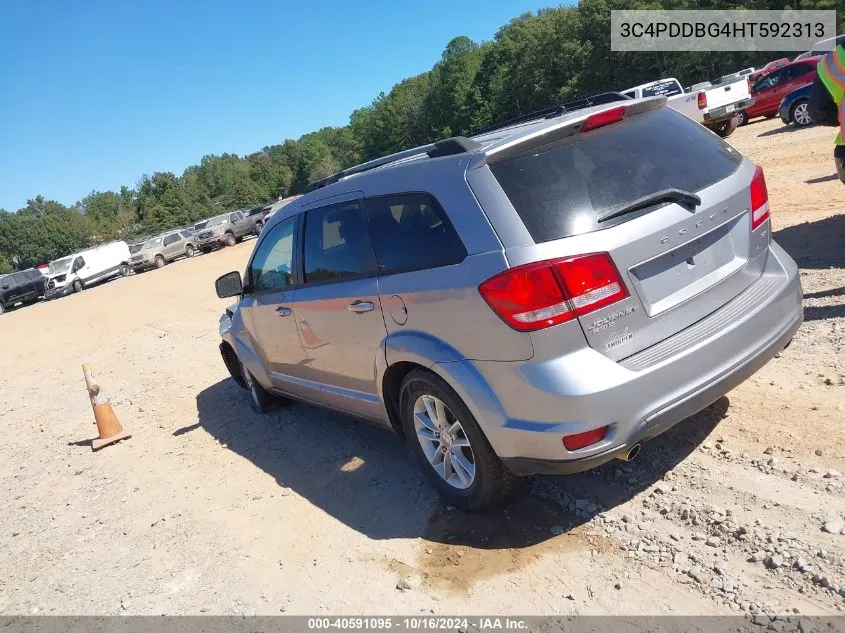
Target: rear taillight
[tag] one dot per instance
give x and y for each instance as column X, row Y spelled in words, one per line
column 702, row 100
column 600, row 119
column 748, row 83
column 539, row 295
column 587, row 438
column 759, row 199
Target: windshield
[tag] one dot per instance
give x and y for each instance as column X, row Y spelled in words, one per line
column 59, row 266
column 200, row 225
column 217, row 221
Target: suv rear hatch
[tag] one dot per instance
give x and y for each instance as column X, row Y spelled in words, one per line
column 656, row 264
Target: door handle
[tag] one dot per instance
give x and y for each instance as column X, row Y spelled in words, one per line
column 359, row 307
column 283, row 311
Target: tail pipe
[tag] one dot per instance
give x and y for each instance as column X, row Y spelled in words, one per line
column 631, row 454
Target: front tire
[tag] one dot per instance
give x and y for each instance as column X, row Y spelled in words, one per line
column 2, row 309
column 450, row 445
column 125, row 270
column 799, row 114
column 258, row 227
column 260, row 400
column 229, row 239
column 189, row 250
column 77, row 285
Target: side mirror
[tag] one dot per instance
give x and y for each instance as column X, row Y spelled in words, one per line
column 229, row 285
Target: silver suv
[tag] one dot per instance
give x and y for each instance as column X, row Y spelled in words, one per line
column 540, row 298
column 162, row 249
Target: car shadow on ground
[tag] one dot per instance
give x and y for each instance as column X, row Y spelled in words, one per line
column 362, row 474
column 815, row 181
column 819, row 244
column 782, row 130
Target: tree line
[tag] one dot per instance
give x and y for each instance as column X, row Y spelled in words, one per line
column 534, row 61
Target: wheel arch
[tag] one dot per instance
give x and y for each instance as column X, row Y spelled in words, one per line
column 408, row 351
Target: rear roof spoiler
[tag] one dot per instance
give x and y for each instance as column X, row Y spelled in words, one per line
column 554, row 111
column 548, row 134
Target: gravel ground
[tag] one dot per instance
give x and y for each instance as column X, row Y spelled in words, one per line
column 211, row 509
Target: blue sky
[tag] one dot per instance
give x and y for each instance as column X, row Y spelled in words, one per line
column 95, row 93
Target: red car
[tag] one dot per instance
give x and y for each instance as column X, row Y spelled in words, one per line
column 769, row 91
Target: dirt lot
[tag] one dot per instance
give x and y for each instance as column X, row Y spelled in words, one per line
column 209, row 508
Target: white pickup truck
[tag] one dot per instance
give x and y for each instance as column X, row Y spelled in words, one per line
column 714, row 107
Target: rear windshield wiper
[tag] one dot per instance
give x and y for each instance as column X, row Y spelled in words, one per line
column 664, row 195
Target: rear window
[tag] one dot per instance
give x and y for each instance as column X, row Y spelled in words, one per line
column 662, row 89
column 562, row 188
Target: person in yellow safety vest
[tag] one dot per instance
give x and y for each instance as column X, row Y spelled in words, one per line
column 827, row 99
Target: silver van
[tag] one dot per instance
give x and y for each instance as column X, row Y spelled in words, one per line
column 542, row 297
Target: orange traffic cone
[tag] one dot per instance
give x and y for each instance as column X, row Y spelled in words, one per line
column 104, row 416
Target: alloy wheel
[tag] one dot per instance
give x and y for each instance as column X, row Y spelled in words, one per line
column 802, row 114
column 444, row 442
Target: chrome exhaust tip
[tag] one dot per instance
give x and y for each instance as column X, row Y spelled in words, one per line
column 632, row 453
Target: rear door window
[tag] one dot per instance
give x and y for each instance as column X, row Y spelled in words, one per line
column 171, row 239
column 337, row 243
column 562, row 188
column 412, row 232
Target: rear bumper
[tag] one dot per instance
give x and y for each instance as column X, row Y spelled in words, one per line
column 525, row 408
column 720, row 114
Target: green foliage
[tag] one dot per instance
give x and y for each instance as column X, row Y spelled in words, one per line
column 534, row 61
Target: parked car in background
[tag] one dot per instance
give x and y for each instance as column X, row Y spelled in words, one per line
column 542, row 297
column 281, row 203
column 224, row 230
column 765, row 70
column 713, row 107
column 22, row 287
column 822, row 47
column 74, row 272
column 769, row 91
column 257, row 215
column 793, row 108
column 162, row 249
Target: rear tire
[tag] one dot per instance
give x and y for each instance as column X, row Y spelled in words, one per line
column 725, row 128
column 125, row 270
column 206, row 251
column 260, row 400
column 741, row 118
column 189, row 250
column 77, row 285
column 159, row 261
column 453, row 452
column 799, row 114
column 229, row 239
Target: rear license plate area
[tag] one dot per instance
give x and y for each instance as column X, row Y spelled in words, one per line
column 677, row 275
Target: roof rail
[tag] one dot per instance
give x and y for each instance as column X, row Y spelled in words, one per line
column 372, row 164
column 444, row 147
column 554, row 111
